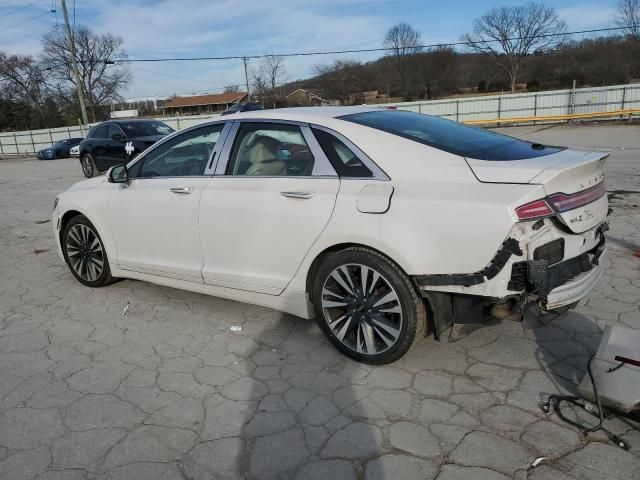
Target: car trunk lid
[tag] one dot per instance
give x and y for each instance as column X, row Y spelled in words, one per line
column 572, row 180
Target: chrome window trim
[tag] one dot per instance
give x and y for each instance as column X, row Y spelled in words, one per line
column 321, row 165
column 378, row 173
column 142, row 156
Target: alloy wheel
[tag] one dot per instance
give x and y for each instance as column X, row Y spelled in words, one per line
column 85, row 252
column 362, row 309
column 87, row 167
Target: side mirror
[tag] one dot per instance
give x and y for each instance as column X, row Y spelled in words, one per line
column 116, row 136
column 118, row 174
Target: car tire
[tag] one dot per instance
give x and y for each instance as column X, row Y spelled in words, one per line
column 84, row 253
column 88, row 165
column 347, row 293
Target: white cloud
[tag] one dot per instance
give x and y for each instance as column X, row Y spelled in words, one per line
column 587, row 16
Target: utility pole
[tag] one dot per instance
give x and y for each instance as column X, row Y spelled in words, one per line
column 246, row 78
column 74, row 63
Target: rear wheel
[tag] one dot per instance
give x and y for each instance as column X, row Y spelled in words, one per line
column 367, row 306
column 84, row 253
column 88, row 166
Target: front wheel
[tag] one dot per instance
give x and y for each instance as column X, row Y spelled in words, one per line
column 88, row 165
column 84, row 252
column 367, row 306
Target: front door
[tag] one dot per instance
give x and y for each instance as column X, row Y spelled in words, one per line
column 114, row 147
column 155, row 218
column 260, row 217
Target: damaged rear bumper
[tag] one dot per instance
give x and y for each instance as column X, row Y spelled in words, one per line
column 518, row 272
column 574, row 290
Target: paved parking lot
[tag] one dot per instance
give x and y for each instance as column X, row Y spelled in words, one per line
column 168, row 391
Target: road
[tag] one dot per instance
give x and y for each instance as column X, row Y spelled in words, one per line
column 164, row 389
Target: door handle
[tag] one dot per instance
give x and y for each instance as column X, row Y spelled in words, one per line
column 297, row 194
column 181, row 190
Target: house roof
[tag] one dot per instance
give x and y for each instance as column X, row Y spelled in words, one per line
column 306, row 92
column 197, row 100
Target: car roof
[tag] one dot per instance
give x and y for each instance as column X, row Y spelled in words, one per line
column 304, row 114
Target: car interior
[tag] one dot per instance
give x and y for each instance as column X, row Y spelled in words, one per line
column 272, row 152
column 186, row 158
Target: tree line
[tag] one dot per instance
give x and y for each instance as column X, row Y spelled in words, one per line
column 41, row 91
column 508, row 49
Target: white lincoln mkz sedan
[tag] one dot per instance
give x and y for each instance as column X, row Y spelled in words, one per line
column 384, row 225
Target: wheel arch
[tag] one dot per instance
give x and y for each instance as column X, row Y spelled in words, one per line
column 317, row 261
column 427, row 300
column 66, row 217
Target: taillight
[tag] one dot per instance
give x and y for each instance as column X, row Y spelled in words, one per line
column 537, row 209
column 563, row 202
column 560, row 202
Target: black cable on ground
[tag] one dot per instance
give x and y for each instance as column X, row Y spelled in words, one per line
column 556, row 401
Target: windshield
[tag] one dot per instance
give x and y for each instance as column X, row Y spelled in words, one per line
column 145, row 129
column 450, row 136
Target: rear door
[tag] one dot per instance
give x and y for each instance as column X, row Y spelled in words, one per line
column 273, row 193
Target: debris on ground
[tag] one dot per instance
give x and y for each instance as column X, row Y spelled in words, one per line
column 125, row 309
column 236, row 328
column 38, row 251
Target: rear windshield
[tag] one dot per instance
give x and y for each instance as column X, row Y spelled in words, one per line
column 450, row 136
column 145, row 129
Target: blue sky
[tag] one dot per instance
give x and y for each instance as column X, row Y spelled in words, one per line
column 241, row 27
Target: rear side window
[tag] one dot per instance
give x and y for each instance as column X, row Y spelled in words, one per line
column 344, row 161
column 450, row 136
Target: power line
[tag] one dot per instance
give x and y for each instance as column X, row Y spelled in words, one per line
column 26, row 21
column 360, row 50
column 20, row 8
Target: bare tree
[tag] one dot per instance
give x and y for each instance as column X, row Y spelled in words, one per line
column 231, row 89
column 628, row 18
column 273, row 72
column 403, row 41
column 509, row 34
column 102, row 77
column 259, row 85
column 339, row 80
column 24, row 77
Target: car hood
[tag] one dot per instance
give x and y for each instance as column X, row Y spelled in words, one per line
column 87, row 184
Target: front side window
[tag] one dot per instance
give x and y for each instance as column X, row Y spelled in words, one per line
column 185, row 155
column 450, row 136
column 115, row 130
column 99, row 132
column 270, row 149
column 346, row 163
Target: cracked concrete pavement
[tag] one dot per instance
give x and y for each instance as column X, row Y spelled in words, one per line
column 167, row 391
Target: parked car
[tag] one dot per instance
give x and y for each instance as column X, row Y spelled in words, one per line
column 60, row 149
column 383, row 224
column 242, row 107
column 75, row 151
column 116, row 142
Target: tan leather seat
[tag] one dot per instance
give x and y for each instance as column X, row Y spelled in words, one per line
column 264, row 159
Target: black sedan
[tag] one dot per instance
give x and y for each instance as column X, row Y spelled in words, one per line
column 241, row 107
column 60, row 149
column 116, row 142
